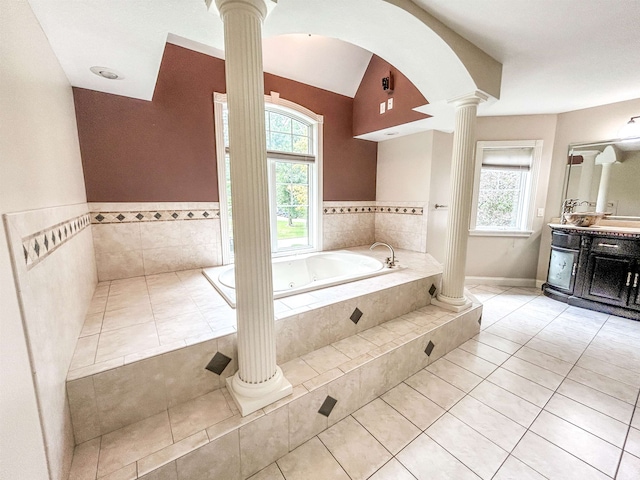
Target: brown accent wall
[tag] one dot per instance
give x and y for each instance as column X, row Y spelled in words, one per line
column 366, row 104
column 164, row 150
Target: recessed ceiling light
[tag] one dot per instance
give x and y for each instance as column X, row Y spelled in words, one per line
column 107, row 73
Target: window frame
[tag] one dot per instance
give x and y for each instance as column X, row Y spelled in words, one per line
column 274, row 102
column 528, row 208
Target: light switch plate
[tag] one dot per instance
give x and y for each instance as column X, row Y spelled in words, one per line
column 382, row 107
column 390, row 104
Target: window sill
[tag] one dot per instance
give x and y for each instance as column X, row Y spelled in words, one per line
column 501, row 233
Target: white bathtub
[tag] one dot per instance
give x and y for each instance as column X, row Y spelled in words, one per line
column 305, row 273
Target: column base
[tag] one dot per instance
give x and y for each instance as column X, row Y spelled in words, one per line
column 250, row 397
column 453, row 304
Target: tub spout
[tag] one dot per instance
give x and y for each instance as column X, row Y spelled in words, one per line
column 391, row 261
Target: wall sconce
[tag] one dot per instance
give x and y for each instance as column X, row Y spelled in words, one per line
column 387, row 83
column 630, row 129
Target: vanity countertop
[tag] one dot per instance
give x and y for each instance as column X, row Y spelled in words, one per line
column 602, row 228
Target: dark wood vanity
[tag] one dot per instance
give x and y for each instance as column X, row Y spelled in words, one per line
column 597, row 268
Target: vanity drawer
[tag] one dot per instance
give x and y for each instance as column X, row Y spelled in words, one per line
column 615, row 246
column 565, row 240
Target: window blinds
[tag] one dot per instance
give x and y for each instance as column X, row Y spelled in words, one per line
column 508, row 158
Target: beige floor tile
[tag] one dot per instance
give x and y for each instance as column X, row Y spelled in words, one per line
column 553, row 462
column 486, row 352
column 392, row 470
column 536, row 374
column 512, row 335
column 510, row 405
column 455, row 375
column 173, row 308
column 633, row 442
column 629, row 468
column 297, row 371
column 427, row 460
column 565, row 352
column 635, row 422
column 92, row 324
column 181, row 327
column 85, row 460
column 488, row 422
column 388, row 426
column 198, row 414
column 127, row 316
column 609, row 370
column 588, row 419
column 417, row 408
column 133, row 442
column 125, row 473
column 311, row 461
column 440, row 392
column 325, row 359
column 545, row 361
column 354, row 346
column 530, row 391
column 597, row 400
column 604, row 384
column 479, row 454
column 500, row 343
column 514, row 469
column 272, row 472
column 169, row 454
column 378, row 335
column 471, row 362
column 587, row 447
column 125, row 341
column 357, row 451
column 85, row 353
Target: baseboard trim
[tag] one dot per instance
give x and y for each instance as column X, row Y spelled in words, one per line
column 503, row 281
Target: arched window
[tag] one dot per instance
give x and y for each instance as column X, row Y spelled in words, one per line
column 294, row 136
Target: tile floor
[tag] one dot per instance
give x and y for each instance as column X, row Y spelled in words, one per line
column 544, row 391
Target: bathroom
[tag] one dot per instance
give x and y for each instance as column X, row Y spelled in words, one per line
column 70, row 169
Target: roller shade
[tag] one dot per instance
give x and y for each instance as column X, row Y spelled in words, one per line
column 508, row 158
column 291, row 157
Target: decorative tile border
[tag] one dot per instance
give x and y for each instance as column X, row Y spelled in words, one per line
column 373, row 209
column 153, row 216
column 38, row 246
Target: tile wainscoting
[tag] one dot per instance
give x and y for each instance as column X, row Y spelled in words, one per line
column 53, row 263
column 350, row 224
column 134, row 239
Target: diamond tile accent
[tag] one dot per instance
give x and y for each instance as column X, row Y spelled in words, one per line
column 429, row 349
column 139, row 216
column 120, row 217
column 157, row 215
column 327, row 406
column 356, row 316
column 205, row 214
column 480, row 320
column 432, row 290
column 174, row 215
column 218, row 363
column 99, row 217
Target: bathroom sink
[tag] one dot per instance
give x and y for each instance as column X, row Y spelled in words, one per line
column 584, row 219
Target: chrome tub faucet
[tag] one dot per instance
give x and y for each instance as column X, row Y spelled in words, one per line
column 390, row 261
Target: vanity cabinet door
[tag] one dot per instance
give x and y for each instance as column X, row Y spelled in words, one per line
column 608, row 279
column 562, row 269
column 634, row 300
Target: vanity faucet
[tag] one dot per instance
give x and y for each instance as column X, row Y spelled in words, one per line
column 391, row 261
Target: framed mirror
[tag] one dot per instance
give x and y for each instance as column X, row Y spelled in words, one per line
column 605, row 176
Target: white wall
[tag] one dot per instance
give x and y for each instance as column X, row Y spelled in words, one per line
column 591, row 124
column 513, row 257
column 40, row 167
column 439, row 193
column 404, row 166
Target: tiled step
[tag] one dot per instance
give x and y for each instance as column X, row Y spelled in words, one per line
column 122, row 391
column 207, row 438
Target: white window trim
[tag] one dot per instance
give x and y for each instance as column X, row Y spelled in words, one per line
column 536, row 145
column 219, row 99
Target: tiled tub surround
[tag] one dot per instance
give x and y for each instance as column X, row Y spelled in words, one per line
column 544, row 391
column 146, row 341
column 401, row 224
column 134, row 239
column 207, row 438
column 53, row 262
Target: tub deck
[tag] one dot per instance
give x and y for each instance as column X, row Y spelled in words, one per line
column 140, row 317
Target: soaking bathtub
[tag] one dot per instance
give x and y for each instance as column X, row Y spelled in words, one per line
column 305, row 273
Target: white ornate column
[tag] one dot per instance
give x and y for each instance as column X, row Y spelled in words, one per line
column 259, row 381
column 451, row 295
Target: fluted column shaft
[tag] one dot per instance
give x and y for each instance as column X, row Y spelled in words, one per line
column 462, row 173
column 258, row 373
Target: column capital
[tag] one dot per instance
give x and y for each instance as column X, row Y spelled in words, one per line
column 261, row 7
column 472, row 98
